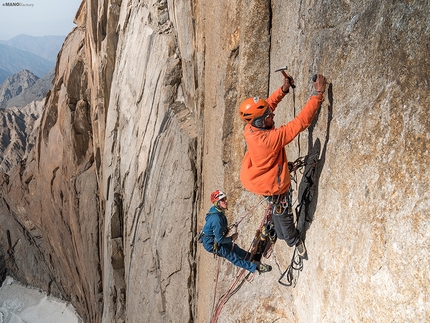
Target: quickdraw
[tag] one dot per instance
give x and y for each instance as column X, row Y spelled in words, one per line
column 295, row 265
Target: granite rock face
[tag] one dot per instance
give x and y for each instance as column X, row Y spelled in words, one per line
column 142, row 124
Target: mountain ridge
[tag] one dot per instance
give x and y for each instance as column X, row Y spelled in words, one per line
column 34, row 89
column 13, row 60
column 46, row 47
column 15, row 85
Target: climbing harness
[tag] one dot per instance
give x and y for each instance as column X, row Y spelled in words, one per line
column 281, row 203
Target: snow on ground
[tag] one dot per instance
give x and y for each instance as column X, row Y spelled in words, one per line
column 19, row 304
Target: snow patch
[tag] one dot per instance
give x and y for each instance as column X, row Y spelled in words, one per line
column 20, row 304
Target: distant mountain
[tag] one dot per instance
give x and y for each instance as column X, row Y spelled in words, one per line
column 3, row 75
column 13, row 60
column 18, row 127
column 46, row 47
column 21, row 101
column 35, row 92
column 15, row 85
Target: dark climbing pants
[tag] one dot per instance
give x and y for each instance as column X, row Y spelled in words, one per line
column 285, row 227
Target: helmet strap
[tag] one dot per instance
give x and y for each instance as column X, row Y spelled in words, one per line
column 216, row 203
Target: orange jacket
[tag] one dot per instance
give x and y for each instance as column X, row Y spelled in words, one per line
column 265, row 165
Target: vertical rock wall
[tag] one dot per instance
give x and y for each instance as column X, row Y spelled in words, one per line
column 50, row 202
column 149, row 169
column 141, row 125
column 367, row 230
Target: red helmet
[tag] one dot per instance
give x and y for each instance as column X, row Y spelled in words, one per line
column 252, row 108
column 217, row 195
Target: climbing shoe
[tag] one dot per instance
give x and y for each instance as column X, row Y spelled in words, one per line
column 262, row 268
column 301, row 249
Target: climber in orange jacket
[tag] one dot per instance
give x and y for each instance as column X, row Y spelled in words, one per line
column 265, row 165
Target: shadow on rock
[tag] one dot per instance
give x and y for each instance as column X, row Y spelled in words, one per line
column 3, row 269
column 308, row 188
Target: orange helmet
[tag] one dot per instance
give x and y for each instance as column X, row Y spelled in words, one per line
column 252, row 108
column 217, row 195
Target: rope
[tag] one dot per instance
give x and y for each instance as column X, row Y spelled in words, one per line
column 233, row 288
column 247, row 214
column 216, row 282
column 294, row 112
column 236, row 224
column 240, row 278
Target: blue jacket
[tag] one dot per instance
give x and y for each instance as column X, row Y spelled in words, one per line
column 215, row 229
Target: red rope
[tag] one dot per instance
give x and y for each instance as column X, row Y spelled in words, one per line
column 216, row 282
column 248, row 213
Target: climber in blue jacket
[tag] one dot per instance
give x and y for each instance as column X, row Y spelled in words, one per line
column 215, row 239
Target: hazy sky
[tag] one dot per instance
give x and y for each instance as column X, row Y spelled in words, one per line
column 37, row 17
